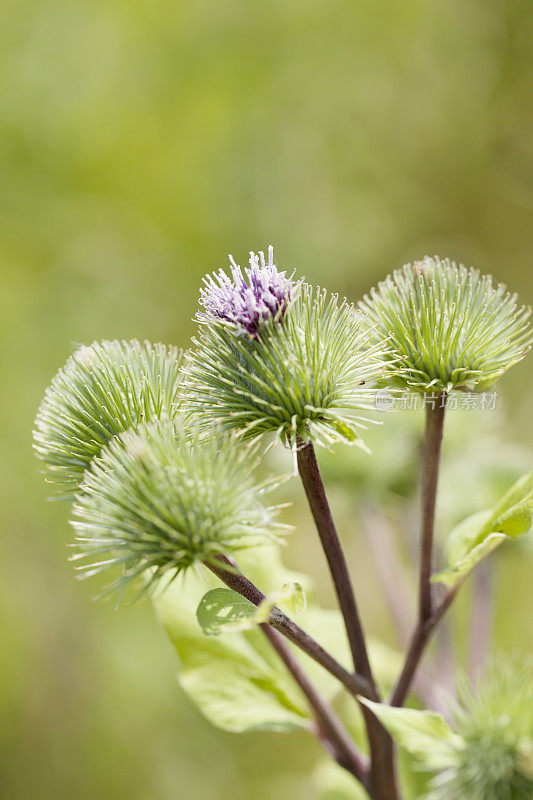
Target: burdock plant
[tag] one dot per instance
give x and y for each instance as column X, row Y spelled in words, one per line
column 449, row 326
column 104, row 389
column 278, row 356
column 451, row 329
column 163, row 459
column 158, row 501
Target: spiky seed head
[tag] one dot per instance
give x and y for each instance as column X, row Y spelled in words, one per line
column 304, row 374
column 103, row 389
column 450, row 326
column 495, row 723
column 248, row 300
column 158, row 500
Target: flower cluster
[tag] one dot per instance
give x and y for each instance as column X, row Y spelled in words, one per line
column 272, row 356
column 103, row 389
column 246, row 300
column 158, row 500
column 447, row 326
column 305, row 376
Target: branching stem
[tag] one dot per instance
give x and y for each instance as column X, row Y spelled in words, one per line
column 330, row 731
column 229, row 575
column 383, row 785
column 318, row 503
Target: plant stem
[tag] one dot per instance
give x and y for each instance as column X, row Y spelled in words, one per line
column 331, row 731
column 383, row 784
column 426, row 617
column 318, row 502
column 430, row 475
column 382, row 778
column 229, row 575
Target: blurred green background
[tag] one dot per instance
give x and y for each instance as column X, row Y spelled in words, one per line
column 139, row 144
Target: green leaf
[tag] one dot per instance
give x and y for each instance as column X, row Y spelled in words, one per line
column 254, row 667
column 463, row 537
column 458, row 572
column 481, row 533
column 225, row 610
column 222, row 611
column 233, row 699
column 512, row 515
column 424, row 734
column 236, row 680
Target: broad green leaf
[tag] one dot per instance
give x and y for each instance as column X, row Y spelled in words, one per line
column 463, row 537
column 454, row 575
column 236, row 700
column 424, row 734
column 480, row 534
column 512, row 515
column 248, row 656
column 236, row 680
column 223, row 610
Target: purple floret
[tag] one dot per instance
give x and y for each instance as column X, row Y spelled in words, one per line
column 246, row 300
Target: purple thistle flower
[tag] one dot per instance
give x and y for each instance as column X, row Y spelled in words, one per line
column 247, row 300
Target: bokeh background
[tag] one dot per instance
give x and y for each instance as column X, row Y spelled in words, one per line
column 139, row 144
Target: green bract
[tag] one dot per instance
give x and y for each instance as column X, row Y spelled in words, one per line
column 304, row 374
column 159, row 499
column 449, row 326
column 103, row 389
